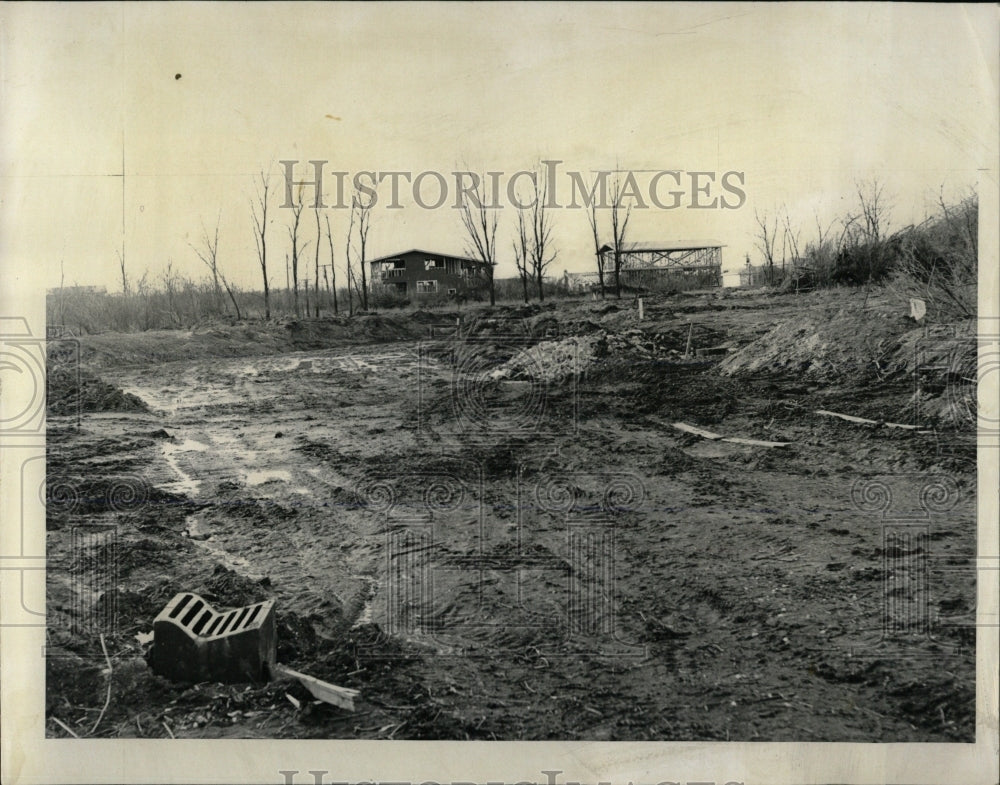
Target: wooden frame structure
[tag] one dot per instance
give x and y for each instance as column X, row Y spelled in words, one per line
column 654, row 264
column 694, row 256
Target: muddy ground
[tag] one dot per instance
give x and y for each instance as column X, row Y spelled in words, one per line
column 497, row 533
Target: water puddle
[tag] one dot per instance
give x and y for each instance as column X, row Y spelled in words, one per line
column 261, row 476
column 198, row 533
column 185, row 483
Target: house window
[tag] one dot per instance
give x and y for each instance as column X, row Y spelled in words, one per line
column 427, row 286
column 433, row 264
column 453, row 291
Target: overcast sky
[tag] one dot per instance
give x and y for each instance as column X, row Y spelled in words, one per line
column 190, row 101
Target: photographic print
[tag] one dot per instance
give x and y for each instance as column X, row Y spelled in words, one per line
column 504, row 373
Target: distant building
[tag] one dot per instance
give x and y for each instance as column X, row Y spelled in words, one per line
column 662, row 264
column 419, row 272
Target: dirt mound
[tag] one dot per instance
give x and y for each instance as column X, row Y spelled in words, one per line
column 553, row 360
column 548, row 360
column 850, row 342
column 69, row 392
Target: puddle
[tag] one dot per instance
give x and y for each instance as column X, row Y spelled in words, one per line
column 261, row 476
column 196, row 531
column 365, row 616
column 185, row 483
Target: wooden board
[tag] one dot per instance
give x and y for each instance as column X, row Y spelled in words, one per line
column 753, row 442
column 683, row 426
column 321, row 690
column 866, row 421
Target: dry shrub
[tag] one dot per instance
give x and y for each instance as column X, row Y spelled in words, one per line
column 938, row 262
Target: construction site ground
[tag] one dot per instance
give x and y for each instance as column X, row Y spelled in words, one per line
column 496, row 531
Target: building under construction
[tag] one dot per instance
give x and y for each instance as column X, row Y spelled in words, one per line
column 658, row 265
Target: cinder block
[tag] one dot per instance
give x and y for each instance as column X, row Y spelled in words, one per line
column 193, row 642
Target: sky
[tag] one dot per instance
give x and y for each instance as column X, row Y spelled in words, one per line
column 132, row 126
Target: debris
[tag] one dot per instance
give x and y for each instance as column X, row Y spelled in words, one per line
column 324, row 691
column 142, row 638
column 866, row 421
column 193, row 642
column 753, row 442
column 107, row 699
column 294, row 701
column 682, row 426
column 65, row 727
column 918, row 309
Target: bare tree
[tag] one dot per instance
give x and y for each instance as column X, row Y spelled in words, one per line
column 333, row 267
column 766, row 240
column 121, row 266
column 790, row 246
column 347, row 257
column 319, row 237
column 542, row 254
column 209, row 254
column 874, row 223
column 789, row 239
column 258, row 211
column 592, row 218
column 619, row 229
column 521, row 253
column 62, row 291
column 363, row 209
column 169, row 279
column 293, row 234
column 480, row 224
column 142, row 289
column 874, row 209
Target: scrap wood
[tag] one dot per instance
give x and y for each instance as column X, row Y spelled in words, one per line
column 753, row 442
column 324, row 691
column 866, row 421
column 65, row 727
column 682, row 426
column 107, row 699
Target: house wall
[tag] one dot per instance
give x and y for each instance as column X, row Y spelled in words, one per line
column 448, row 276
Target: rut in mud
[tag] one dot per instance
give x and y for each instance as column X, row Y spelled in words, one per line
column 500, row 535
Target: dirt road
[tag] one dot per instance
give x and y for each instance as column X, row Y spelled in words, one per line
column 500, row 534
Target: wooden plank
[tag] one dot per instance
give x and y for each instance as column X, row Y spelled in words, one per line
column 683, row 426
column 321, row 690
column 866, row 421
column 848, row 417
column 753, row 442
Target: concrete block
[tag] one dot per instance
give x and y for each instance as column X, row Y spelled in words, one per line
column 194, row 642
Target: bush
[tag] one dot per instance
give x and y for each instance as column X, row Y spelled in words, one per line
column 388, row 298
column 938, row 263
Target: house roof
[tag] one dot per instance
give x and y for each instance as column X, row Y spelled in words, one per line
column 653, row 246
column 426, row 253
